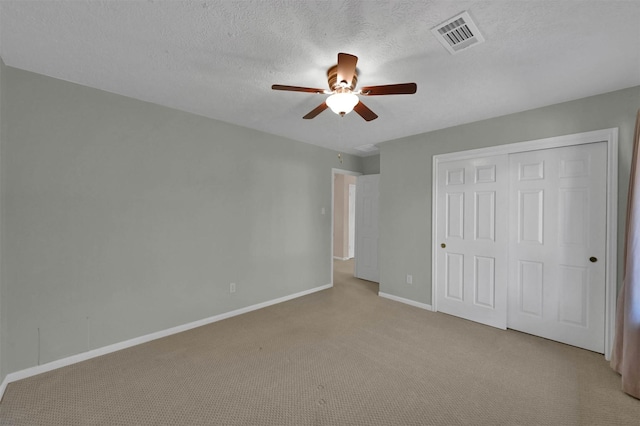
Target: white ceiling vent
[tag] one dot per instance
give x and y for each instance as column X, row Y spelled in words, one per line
column 458, row 33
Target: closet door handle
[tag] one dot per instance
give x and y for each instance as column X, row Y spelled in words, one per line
column 443, row 245
column 593, row 259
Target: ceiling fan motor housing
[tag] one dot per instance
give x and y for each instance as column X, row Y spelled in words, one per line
column 332, row 78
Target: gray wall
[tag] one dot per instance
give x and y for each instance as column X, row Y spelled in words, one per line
column 371, row 165
column 121, row 218
column 406, row 176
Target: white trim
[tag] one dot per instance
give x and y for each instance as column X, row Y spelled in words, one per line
column 611, row 287
column 434, row 230
column 605, row 135
column 405, row 301
column 32, row 371
column 610, row 136
column 340, row 258
column 333, row 186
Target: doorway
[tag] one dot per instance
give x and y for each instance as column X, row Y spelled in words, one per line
column 343, row 193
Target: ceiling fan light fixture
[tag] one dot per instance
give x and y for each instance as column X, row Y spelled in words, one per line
column 342, row 103
column 343, row 99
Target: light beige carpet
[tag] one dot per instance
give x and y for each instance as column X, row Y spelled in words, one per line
column 343, row 356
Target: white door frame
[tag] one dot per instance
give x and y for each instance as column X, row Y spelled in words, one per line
column 610, row 136
column 333, row 185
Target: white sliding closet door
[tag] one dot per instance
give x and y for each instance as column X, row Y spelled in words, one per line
column 471, row 257
column 558, row 244
column 521, row 241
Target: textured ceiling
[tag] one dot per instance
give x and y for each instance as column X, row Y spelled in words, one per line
column 220, row 58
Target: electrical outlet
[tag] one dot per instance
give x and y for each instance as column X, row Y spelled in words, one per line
column 232, row 288
column 409, row 279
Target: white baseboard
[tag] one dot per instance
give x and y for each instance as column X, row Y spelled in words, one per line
column 32, row 371
column 340, row 258
column 406, row 301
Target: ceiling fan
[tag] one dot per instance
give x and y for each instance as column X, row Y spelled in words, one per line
column 342, row 79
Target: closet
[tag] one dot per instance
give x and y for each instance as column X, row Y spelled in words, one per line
column 524, row 237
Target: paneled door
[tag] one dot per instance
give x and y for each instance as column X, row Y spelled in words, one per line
column 351, row 246
column 471, row 255
column 366, row 263
column 557, row 205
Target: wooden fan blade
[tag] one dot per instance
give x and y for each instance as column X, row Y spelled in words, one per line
column 346, row 67
column 317, row 110
column 365, row 112
column 296, row 89
column 390, row 89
